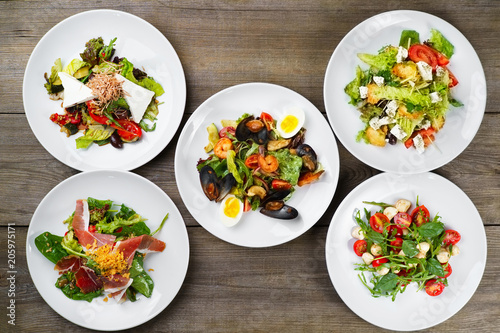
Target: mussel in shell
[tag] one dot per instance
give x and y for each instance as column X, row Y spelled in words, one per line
column 308, row 155
column 277, row 209
column 251, row 128
column 214, row 187
column 225, row 185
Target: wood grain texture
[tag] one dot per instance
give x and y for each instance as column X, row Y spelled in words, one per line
column 220, row 44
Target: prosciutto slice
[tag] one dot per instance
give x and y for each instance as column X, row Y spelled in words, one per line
column 80, row 224
column 116, row 285
column 68, row 264
column 142, row 244
column 87, row 280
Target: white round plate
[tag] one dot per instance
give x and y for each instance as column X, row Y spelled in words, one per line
column 461, row 123
column 255, row 229
column 144, row 46
column 168, row 268
column 411, row 310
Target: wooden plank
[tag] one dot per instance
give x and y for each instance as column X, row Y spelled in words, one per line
column 230, row 288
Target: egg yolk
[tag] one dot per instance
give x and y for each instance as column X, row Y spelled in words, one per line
column 289, row 123
column 232, row 207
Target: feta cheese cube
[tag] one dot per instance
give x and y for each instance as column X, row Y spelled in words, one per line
column 363, row 92
column 440, row 71
column 425, row 124
column 435, row 97
column 418, row 143
column 398, row 132
column 391, row 108
column 402, row 54
column 379, row 80
column 377, row 122
column 425, row 70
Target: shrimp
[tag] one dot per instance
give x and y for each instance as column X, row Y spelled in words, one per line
column 268, row 163
column 222, row 147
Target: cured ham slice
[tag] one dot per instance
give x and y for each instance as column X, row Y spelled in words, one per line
column 68, row 264
column 87, row 280
column 116, row 285
column 142, row 244
column 81, row 221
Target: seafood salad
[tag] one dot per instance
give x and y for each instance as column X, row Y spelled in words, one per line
column 102, row 252
column 103, row 95
column 256, row 163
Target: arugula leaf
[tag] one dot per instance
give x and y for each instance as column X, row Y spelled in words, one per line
column 161, row 225
column 50, row 246
column 410, row 248
column 381, row 204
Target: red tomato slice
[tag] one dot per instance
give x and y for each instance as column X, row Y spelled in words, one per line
column 396, row 244
column 453, row 79
column 378, row 221
column 434, row 287
column 246, row 205
column 402, row 220
column 360, row 247
column 447, row 270
column 420, row 215
column 451, row 237
column 442, row 60
column 130, row 131
column 378, row 262
column 421, row 52
column 280, row 184
column 252, row 161
column 267, row 119
column 229, row 129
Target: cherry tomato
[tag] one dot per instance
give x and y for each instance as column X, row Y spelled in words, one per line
column 396, row 244
column 453, row 79
column 120, row 229
column 402, row 220
column 92, row 228
column 246, row 205
column 229, row 129
column 252, row 161
column 378, row 221
column 130, row 131
column 447, row 270
column 420, row 215
column 267, row 119
column 395, row 231
column 434, row 287
column 421, row 52
column 360, row 247
column 378, row 262
column 451, row 237
column 280, row 184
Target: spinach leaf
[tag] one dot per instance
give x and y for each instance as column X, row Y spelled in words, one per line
column 434, row 267
column 408, row 38
column 50, row 246
column 410, row 248
column 66, row 283
column 387, row 283
column 137, row 229
column 125, row 213
column 431, row 229
column 142, row 283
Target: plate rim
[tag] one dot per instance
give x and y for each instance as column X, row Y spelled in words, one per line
column 117, row 174
column 201, row 108
column 331, row 117
column 180, row 96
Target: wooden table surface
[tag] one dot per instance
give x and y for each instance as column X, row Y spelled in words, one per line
column 220, row 44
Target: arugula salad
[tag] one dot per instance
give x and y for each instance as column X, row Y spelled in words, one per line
column 400, row 248
column 104, row 96
column 406, row 92
column 256, row 162
column 102, row 252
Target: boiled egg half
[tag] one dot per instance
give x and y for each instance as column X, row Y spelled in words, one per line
column 231, row 210
column 290, row 122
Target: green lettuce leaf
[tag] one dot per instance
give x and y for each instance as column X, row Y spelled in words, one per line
column 402, row 94
column 352, row 88
column 440, row 43
column 74, row 65
column 94, row 133
column 231, row 166
column 50, row 246
column 142, row 282
column 408, row 38
column 385, row 60
column 289, row 165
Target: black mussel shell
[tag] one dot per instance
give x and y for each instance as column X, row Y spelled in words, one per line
column 278, row 210
column 242, row 132
column 226, row 184
column 261, row 137
column 275, row 196
column 309, row 157
column 209, row 182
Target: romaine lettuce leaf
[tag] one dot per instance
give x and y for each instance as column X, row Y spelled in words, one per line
column 150, row 84
column 440, row 43
column 289, row 165
column 385, row 60
column 73, row 66
column 352, row 88
column 400, row 93
column 408, row 38
column 94, row 133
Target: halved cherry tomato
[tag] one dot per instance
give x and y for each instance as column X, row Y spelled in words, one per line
column 229, row 129
column 421, row 52
column 396, row 244
column 453, row 79
column 402, row 220
column 447, row 270
column 378, row 262
column 434, row 287
column 246, row 205
column 120, row 229
column 252, row 161
column 267, row 119
column 451, row 237
column 130, row 131
column 92, row 228
column 378, row 222
column 280, row 184
column 420, row 215
column 396, row 231
column 360, row 247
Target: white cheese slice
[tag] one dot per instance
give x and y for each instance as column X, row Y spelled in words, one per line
column 398, row 132
column 363, row 92
column 74, row 91
column 425, row 70
column 137, row 97
column 419, row 144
